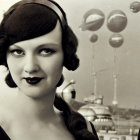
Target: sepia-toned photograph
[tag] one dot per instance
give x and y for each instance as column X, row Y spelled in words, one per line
column 69, row 70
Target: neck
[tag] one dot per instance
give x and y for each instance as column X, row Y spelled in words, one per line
column 36, row 108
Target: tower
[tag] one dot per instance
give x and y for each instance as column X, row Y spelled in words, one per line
column 115, row 102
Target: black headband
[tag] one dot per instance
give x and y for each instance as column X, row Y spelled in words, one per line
column 47, row 3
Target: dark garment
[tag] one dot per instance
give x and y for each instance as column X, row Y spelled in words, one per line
column 4, row 136
column 94, row 131
column 139, row 135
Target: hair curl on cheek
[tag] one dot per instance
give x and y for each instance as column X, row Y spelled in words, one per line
column 70, row 43
column 9, row 81
column 4, row 44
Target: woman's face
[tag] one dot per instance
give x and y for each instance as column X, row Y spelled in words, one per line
column 36, row 64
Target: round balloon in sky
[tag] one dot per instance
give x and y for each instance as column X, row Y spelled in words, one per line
column 116, row 40
column 93, row 38
column 135, row 6
column 116, row 21
column 92, row 20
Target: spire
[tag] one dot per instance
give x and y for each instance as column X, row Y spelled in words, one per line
column 115, row 102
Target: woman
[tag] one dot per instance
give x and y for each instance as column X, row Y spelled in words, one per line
column 35, row 43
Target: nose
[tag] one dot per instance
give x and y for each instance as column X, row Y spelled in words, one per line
column 31, row 65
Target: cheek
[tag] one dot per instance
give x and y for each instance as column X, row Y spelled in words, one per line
column 58, row 64
column 53, row 68
column 13, row 68
column 11, row 65
column 54, row 64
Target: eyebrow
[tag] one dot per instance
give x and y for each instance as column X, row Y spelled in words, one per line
column 48, row 44
column 40, row 46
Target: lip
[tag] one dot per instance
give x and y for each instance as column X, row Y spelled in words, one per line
column 33, row 80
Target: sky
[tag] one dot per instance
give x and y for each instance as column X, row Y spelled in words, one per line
column 128, row 54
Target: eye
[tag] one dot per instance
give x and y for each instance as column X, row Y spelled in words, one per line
column 46, row 51
column 17, row 52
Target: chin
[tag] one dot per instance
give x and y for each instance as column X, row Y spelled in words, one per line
column 32, row 92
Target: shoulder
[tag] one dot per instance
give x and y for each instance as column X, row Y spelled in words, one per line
column 5, row 97
column 7, row 94
column 6, row 103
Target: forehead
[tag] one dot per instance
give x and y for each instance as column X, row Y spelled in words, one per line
column 53, row 37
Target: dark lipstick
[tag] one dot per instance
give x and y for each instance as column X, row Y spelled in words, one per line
column 33, row 80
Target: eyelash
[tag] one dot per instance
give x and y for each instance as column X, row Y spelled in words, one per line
column 47, row 51
column 17, row 52
column 42, row 52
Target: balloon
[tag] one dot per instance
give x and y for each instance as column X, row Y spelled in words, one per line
column 93, row 38
column 135, row 6
column 116, row 40
column 92, row 20
column 116, row 21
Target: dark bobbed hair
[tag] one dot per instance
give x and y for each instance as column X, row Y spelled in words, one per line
column 33, row 20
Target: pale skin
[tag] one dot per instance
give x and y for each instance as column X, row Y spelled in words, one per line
column 29, row 114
